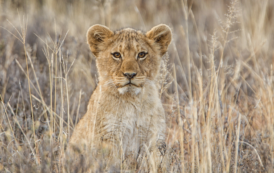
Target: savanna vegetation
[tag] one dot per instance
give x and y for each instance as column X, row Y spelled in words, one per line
column 216, row 82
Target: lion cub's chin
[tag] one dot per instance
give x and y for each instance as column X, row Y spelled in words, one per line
column 129, row 89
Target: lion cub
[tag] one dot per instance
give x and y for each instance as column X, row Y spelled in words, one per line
column 124, row 111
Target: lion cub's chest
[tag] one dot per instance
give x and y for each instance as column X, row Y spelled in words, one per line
column 127, row 123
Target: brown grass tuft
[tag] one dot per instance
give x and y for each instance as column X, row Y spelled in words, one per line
column 216, row 82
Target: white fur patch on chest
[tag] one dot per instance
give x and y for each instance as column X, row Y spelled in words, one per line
column 130, row 126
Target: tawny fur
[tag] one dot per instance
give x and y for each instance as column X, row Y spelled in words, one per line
column 126, row 116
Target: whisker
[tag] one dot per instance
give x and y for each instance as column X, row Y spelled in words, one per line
column 137, row 81
column 139, row 78
column 120, row 81
column 119, row 77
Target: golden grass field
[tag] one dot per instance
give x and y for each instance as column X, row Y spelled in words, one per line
column 216, row 81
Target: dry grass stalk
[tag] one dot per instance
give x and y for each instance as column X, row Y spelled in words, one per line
column 217, row 95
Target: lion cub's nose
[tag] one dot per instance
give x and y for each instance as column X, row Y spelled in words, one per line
column 130, row 75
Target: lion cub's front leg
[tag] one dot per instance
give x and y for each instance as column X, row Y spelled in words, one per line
column 154, row 146
column 79, row 141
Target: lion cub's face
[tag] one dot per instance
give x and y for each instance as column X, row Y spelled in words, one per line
column 128, row 58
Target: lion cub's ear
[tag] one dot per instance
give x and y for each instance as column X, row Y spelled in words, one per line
column 161, row 34
column 97, row 36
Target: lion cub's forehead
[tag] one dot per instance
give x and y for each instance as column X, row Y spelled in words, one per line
column 129, row 39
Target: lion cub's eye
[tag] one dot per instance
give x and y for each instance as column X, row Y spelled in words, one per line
column 142, row 55
column 116, row 55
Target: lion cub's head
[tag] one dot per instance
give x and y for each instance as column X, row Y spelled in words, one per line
column 128, row 58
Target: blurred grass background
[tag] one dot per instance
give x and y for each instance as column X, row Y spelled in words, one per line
column 217, row 80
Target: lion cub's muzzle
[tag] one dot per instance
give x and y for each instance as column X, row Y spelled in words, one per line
column 129, row 79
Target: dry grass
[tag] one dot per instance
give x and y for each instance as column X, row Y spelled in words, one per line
column 217, row 81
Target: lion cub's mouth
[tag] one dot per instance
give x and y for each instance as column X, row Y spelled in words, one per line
column 131, row 84
column 128, row 84
column 129, row 88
